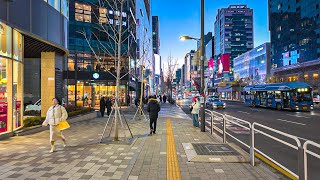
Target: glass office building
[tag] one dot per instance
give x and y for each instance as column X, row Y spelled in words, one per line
column 233, row 34
column 295, row 40
column 253, row 66
column 92, row 62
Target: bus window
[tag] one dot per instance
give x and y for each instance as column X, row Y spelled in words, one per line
column 278, row 94
column 304, row 96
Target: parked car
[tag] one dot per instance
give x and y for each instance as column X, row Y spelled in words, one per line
column 215, row 104
column 37, row 106
column 316, row 99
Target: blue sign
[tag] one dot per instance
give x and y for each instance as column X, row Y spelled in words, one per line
column 96, row 75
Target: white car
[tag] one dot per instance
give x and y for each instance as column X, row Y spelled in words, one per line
column 37, row 106
column 34, row 107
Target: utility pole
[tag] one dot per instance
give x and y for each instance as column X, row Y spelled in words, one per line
column 202, row 115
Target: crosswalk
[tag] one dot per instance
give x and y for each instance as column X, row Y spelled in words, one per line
column 172, row 111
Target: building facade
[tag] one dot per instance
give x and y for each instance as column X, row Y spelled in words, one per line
column 295, row 40
column 233, row 31
column 93, row 46
column 156, row 51
column 188, row 68
column 32, row 42
column 253, row 67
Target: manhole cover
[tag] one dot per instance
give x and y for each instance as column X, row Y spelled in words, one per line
column 214, row 149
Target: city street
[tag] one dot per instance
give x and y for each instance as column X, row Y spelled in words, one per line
column 305, row 125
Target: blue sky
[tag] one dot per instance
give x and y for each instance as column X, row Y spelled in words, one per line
column 182, row 17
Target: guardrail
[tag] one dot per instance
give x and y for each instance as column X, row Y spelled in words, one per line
column 257, row 128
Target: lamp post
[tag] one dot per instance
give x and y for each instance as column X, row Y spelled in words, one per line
column 202, row 112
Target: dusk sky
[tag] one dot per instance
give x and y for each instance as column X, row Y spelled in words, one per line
column 182, row 17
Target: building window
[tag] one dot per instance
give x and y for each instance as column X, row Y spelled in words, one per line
column 306, row 77
column 237, row 39
column 103, row 15
column 82, row 12
column 315, row 76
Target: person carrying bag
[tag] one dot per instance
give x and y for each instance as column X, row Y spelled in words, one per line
column 195, row 109
column 56, row 118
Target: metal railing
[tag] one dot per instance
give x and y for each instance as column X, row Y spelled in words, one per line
column 257, row 128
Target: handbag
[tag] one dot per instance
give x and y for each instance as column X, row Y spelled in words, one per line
column 63, row 125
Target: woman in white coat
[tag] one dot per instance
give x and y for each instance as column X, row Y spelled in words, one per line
column 55, row 114
column 195, row 112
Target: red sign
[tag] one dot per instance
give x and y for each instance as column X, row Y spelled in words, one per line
column 211, row 64
column 3, row 117
column 224, row 63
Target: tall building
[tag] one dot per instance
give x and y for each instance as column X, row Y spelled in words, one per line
column 156, row 51
column 145, row 55
column 33, row 47
column 233, row 32
column 188, row 68
column 155, row 35
column 295, row 40
column 92, row 62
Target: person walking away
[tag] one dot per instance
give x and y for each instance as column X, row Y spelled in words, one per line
column 55, row 114
column 164, row 98
column 153, row 109
column 128, row 100
column 136, row 102
column 160, row 98
column 108, row 106
column 195, row 109
column 102, row 106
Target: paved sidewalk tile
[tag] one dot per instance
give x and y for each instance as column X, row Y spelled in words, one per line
column 28, row 157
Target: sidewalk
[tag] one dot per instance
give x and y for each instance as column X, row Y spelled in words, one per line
column 161, row 156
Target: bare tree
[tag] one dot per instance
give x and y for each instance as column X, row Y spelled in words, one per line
column 170, row 72
column 115, row 27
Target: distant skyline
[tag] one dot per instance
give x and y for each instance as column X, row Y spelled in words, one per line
column 178, row 18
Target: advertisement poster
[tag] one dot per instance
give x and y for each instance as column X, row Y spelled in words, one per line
column 3, row 117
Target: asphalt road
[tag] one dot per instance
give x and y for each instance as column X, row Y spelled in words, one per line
column 305, row 125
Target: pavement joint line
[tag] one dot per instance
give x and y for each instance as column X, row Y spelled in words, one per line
column 173, row 170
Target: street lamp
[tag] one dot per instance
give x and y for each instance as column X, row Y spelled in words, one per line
column 202, row 112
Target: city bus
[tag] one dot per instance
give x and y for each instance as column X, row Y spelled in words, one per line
column 291, row 95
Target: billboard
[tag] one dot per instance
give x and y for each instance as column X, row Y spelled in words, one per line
column 224, row 63
column 157, row 59
column 211, row 64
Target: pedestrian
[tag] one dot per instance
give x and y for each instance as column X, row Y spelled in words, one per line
column 195, row 109
column 153, row 109
column 128, row 100
column 108, row 106
column 136, row 102
column 55, row 114
column 160, row 98
column 164, row 98
column 102, row 106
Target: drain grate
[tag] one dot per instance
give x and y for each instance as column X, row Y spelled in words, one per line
column 214, row 149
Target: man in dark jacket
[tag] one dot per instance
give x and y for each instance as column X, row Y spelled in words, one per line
column 153, row 109
column 102, row 106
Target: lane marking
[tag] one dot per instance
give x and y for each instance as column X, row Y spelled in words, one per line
column 243, row 112
column 291, row 122
column 275, row 166
column 256, row 110
column 173, row 170
column 297, row 115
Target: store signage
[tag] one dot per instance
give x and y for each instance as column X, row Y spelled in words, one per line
column 96, row 75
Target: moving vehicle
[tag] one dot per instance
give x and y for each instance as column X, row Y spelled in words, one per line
column 290, row 95
column 316, row 99
column 215, row 103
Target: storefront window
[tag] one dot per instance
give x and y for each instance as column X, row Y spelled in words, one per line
column 17, row 94
column 11, row 79
column 71, row 64
column 4, row 124
column 5, row 40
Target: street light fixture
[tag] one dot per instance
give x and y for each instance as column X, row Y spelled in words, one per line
column 183, row 38
column 202, row 112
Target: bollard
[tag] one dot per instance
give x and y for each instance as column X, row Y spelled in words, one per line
column 252, row 160
column 224, row 129
column 301, row 163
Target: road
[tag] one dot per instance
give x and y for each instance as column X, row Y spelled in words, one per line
column 304, row 125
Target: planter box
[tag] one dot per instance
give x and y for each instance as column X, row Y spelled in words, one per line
column 39, row 128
